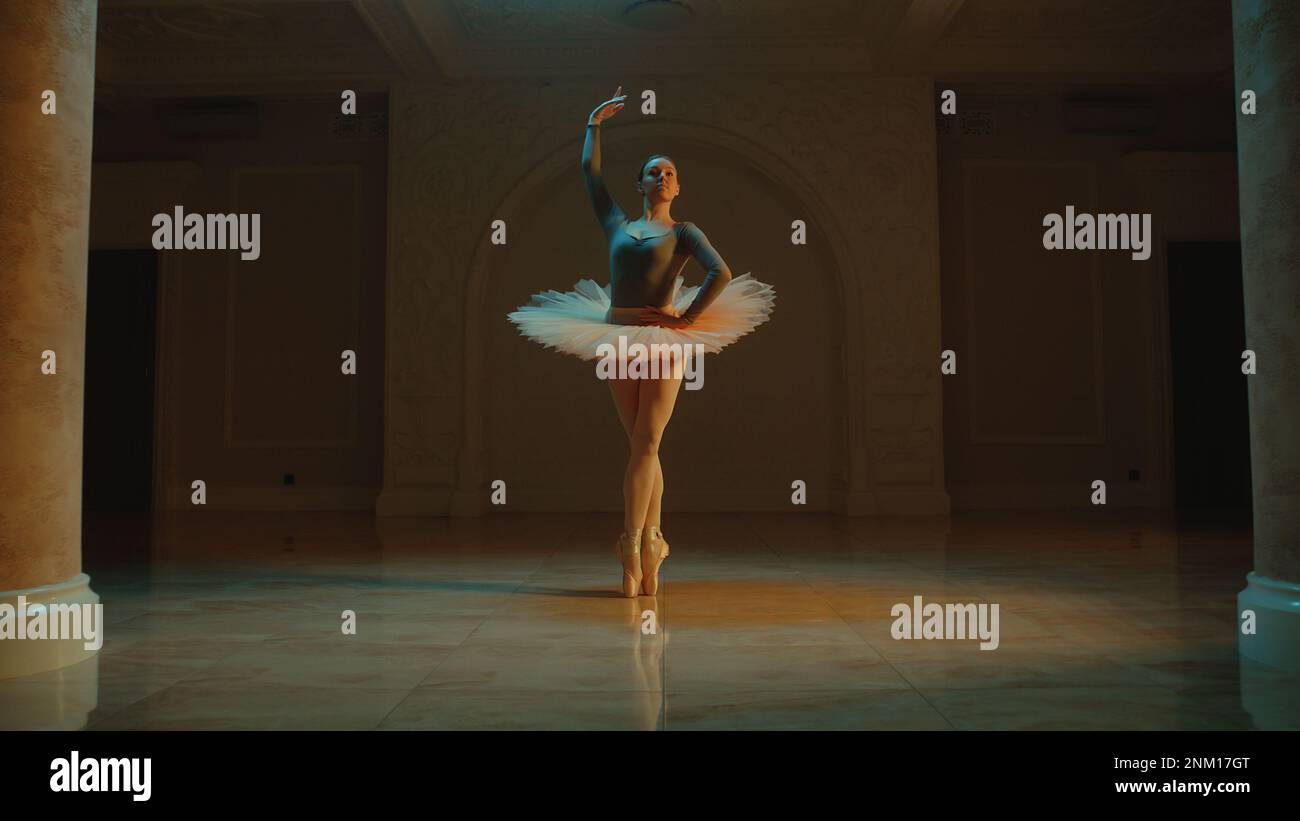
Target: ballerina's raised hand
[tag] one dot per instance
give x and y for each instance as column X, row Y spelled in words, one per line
column 608, row 108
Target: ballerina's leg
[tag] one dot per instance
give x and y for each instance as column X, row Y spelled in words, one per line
column 654, row 513
column 644, row 477
column 625, row 393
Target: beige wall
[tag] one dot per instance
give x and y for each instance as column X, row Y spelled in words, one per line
column 1063, row 355
column 840, row 389
column 249, row 385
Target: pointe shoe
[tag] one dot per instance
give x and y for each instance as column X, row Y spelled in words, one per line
column 628, row 550
column 653, row 553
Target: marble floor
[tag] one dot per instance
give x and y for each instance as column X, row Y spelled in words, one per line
column 230, row 621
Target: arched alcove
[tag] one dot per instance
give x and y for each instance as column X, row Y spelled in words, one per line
column 774, row 406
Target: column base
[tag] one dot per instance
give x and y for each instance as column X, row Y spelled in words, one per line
column 1276, row 604
column 23, row 657
column 61, row 699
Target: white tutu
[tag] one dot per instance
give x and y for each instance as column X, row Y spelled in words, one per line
column 573, row 322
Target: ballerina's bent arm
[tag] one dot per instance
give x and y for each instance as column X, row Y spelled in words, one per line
column 697, row 245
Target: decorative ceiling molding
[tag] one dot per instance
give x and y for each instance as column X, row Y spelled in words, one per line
column 920, row 26
column 473, row 38
column 1138, row 38
column 1091, row 19
column 154, row 47
column 392, row 27
column 202, row 46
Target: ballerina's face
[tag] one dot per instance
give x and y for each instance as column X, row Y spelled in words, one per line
column 659, row 180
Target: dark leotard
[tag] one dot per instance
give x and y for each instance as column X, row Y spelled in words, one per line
column 642, row 272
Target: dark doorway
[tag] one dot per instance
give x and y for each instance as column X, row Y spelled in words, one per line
column 117, row 464
column 1207, row 329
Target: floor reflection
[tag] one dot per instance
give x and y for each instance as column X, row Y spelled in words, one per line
column 222, row 621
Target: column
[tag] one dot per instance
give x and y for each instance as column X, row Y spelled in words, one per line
column 1266, row 46
column 45, row 191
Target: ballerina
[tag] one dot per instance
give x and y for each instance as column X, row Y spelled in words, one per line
column 645, row 303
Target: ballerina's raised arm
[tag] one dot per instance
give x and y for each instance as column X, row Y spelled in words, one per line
column 607, row 210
